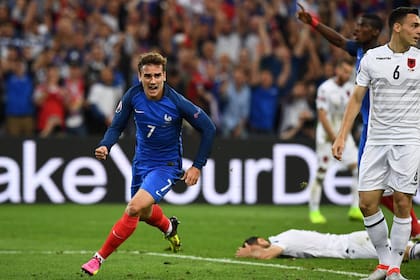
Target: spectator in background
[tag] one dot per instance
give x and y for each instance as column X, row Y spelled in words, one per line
column 265, row 92
column 75, row 99
column 41, row 63
column 111, row 43
column 279, row 62
column 306, row 63
column 236, row 94
column 264, row 103
column 96, row 61
column 228, row 41
column 137, row 32
column 296, row 113
column 196, row 90
column 212, row 86
column 4, row 14
column 251, row 39
column 208, row 56
column 102, row 101
column 49, row 97
column 112, row 34
column 19, row 106
column 174, row 79
column 224, row 68
column 78, row 50
column 7, row 33
column 327, row 72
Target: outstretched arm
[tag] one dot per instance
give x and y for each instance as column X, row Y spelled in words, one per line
column 328, row 33
column 258, row 252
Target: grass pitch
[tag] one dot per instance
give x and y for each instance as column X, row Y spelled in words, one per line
column 53, row 241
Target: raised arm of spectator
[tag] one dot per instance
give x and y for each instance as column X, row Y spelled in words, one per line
column 30, row 14
column 302, row 37
column 328, row 33
column 314, row 63
column 266, row 48
column 255, row 69
column 283, row 53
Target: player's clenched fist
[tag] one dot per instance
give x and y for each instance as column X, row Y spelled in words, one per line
column 191, row 176
column 101, row 153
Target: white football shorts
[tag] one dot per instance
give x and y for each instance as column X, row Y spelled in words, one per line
column 390, row 166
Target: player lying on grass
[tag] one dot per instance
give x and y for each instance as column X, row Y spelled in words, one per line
column 311, row 244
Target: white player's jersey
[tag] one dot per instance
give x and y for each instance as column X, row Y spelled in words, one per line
column 332, row 98
column 312, row 244
column 394, row 83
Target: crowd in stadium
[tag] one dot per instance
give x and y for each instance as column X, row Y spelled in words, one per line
column 250, row 64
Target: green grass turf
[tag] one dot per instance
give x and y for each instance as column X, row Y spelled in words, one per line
column 52, row 241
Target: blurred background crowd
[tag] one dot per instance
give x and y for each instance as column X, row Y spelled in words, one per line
column 250, row 64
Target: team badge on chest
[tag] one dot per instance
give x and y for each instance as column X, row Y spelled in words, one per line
column 411, row 63
column 167, row 118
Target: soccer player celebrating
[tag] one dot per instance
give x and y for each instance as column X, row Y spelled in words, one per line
column 391, row 157
column 331, row 101
column 158, row 112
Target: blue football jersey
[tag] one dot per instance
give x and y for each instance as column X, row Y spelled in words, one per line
column 159, row 128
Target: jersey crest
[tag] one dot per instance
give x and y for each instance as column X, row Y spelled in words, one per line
column 411, row 63
column 167, row 118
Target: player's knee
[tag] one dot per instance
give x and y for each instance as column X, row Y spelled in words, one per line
column 402, row 205
column 141, row 211
column 402, row 208
column 133, row 210
column 368, row 208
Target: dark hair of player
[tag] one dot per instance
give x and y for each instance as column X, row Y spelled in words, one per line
column 251, row 241
column 153, row 58
column 374, row 20
column 398, row 14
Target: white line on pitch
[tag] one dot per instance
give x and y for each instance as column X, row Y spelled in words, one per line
column 256, row 264
column 216, row 260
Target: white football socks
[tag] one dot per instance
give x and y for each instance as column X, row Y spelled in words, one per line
column 377, row 229
column 400, row 234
